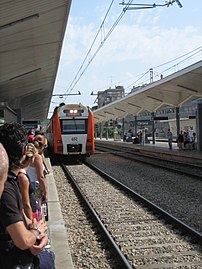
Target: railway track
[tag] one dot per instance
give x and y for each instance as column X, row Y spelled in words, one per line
column 186, row 168
column 142, row 235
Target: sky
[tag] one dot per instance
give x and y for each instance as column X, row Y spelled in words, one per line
column 102, row 51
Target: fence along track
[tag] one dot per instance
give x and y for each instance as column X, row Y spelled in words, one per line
column 145, row 239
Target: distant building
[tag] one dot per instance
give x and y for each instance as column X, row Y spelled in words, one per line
column 110, row 95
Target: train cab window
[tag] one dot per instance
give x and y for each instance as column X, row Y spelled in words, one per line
column 74, row 126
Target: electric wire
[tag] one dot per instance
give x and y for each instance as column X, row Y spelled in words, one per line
column 82, row 70
column 196, row 51
column 89, row 51
column 77, row 77
column 137, row 80
column 177, row 58
column 194, row 54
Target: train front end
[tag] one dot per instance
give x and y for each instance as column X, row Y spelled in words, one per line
column 73, row 131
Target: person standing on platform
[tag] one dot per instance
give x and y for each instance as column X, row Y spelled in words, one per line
column 36, row 175
column 21, row 239
column 180, row 141
column 26, row 189
column 194, row 141
column 187, row 140
column 35, row 171
column 140, row 137
column 46, row 169
column 170, row 138
column 3, row 168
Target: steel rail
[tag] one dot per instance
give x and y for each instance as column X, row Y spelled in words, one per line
column 123, row 260
column 143, row 153
column 183, row 227
column 149, row 158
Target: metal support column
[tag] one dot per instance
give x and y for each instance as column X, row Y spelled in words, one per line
column 151, row 75
column 106, row 130
column 177, row 112
column 135, row 125
column 153, row 127
column 123, row 127
column 199, row 127
column 100, row 130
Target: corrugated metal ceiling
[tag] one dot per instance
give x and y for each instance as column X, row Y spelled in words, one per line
column 173, row 90
column 31, row 36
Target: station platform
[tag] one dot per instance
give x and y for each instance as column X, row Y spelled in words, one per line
column 160, row 149
column 56, row 225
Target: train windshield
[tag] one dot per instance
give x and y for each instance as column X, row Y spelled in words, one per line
column 74, row 126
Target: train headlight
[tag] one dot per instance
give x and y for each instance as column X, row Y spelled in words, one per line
column 73, row 111
column 59, row 141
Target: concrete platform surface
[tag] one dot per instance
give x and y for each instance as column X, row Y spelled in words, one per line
column 56, row 226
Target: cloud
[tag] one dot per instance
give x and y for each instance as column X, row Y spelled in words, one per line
column 149, row 44
column 130, row 43
column 138, row 43
column 141, row 40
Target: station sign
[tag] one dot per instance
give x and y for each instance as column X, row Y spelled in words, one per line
column 143, row 122
column 160, row 118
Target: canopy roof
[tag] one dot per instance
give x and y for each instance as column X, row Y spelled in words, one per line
column 173, row 90
column 31, row 36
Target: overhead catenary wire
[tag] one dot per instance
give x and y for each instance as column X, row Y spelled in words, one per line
column 137, row 79
column 104, row 37
column 190, row 53
column 146, row 6
column 80, row 73
column 82, row 69
column 178, row 57
column 89, row 51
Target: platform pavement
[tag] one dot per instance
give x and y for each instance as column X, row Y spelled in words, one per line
column 160, row 147
column 157, row 144
column 56, row 225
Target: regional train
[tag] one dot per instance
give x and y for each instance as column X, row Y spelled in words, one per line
column 70, row 131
